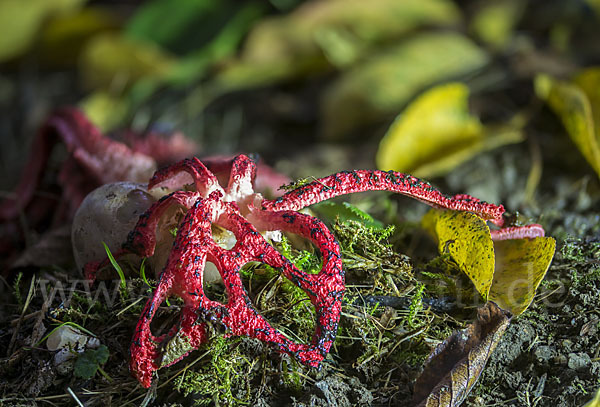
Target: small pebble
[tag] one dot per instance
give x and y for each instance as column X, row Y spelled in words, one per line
column 543, row 353
column 579, row 360
column 560, row 360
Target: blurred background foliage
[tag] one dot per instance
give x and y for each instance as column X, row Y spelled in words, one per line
column 280, row 77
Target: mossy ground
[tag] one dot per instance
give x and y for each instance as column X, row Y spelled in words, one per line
column 551, row 352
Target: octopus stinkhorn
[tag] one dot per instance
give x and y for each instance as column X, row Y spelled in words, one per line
column 235, row 206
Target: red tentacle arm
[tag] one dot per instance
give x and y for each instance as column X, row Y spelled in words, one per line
column 190, row 170
column 182, row 276
column 142, row 239
column 325, row 289
column 241, row 179
column 348, row 182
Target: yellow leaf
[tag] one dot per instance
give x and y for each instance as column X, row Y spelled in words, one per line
column 578, row 113
column 20, row 22
column 520, row 267
column 436, row 133
column 588, row 81
column 467, row 239
column 507, row 272
column 595, row 402
column 113, row 62
column 104, row 110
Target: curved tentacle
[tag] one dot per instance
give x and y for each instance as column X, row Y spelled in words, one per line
column 170, row 177
column 142, row 239
column 325, row 289
column 348, row 182
column 144, row 349
column 241, row 178
column 182, row 276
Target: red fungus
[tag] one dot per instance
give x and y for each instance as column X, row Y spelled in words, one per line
column 239, row 209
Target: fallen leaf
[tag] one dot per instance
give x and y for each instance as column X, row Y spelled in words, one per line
column 467, row 239
column 578, row 112
column 319, row 35
column 436, row 132
column 505, row 271
column 520, row 267
column 453, row 367
column 52, row 249
column 385, row 82
column 588, row 81
column 595, row 402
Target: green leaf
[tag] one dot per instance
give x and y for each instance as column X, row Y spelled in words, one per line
column 436, row 132
column 89, row 361
column 578, row 106
column 164, row 22
column 385, row 82
column 320, row 35
column 116, row 266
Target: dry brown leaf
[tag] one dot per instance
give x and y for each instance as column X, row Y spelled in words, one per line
column 53, row 249
column 453, row 367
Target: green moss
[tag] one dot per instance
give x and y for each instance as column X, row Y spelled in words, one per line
column 416, row 306
column 224, row 380
column 356, row 237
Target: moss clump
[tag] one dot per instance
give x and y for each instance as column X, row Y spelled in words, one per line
column 224, row 380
